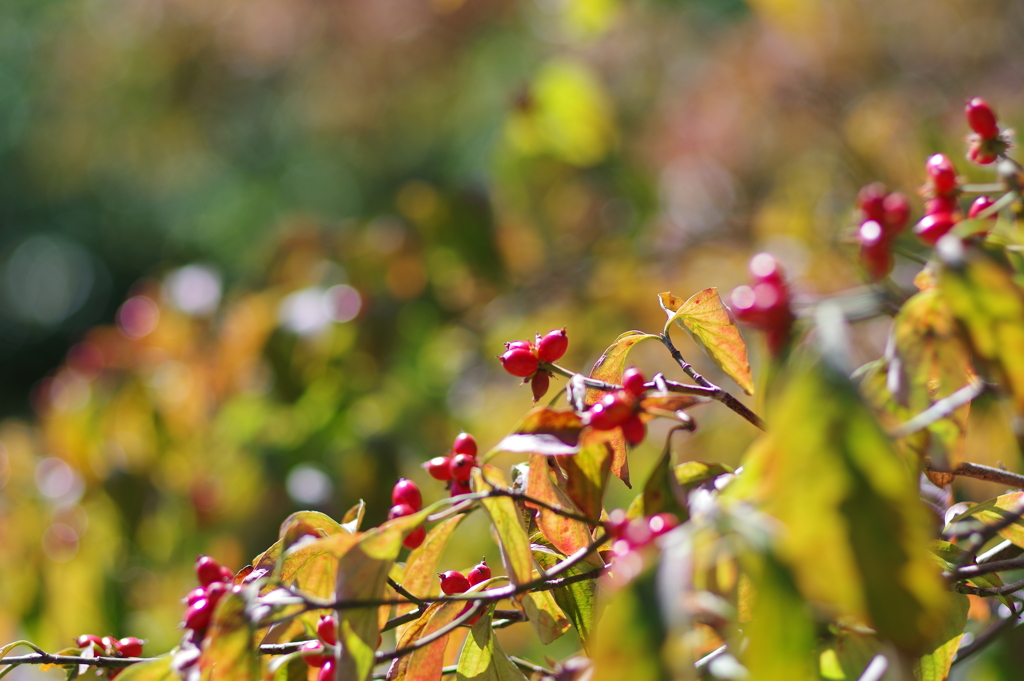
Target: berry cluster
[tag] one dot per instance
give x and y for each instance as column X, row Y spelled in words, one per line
column 454, row 582
column 941, row 210
column 621, row 409
column 108, row 646
column 526, row 360
column 316, row 654
column 633, row 534
column 986, row 144
column 883, row 215
column 766, row 302
column 406, row 500
column 214, row 580
column 456, row 466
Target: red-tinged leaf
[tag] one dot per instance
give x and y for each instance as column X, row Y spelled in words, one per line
column 482, row 658
column 229, row 652
column 566, row 534
column 998, row 511
column 512, row 538
column 586, row 475
column 424, row 664
column 543, row 431
column 989, row 304
column 935, row 664
column 296, row 525
column 421, row 566
column 547, row 618
column 353, row 517
column 154, row 670
column 671, row 402
column 706, row 318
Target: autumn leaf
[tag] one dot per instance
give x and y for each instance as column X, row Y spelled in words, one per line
column 543, row 431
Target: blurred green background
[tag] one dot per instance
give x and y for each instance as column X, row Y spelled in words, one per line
column 259, row 255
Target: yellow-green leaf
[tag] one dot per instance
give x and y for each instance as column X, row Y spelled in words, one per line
column 996, row 512
column 547, row 618
column 421, row 566
column 154, row 670
column 586, row 474
column 577, row 600
column 706, row 318
column 629, row 637
column 229, row 652
column 482, row 658
column 934, row 665
column 512, row 538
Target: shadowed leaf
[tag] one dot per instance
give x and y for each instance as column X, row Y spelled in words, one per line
column 228, row 650
column 547, row 618
column 155, row 670
column 512, row 538
column 578, row 600
column 482, row 658
column 627, row 643
column 935, row 664
column 706, row 318
column 998, row 511
column 671, row 401
column 586, row 474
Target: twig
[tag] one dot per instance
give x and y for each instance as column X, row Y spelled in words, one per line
column 529, row 666
column 715, row 392
column 558, row 510
column 989, row 590
column 987, row 637
column 979, row 472
column 52, row 658
column 968, row 571
column 940, row 409
column 402, row 591
column 463, row 617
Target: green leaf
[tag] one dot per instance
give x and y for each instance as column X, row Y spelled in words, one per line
column 294, row 669
column 984, row 298
column 543, row 431
column 482, row 658
column 935, row 664
column 547, row 618
column 662, row 492
column 951, row 556
column 421, row 566
column 566, row 534
column 229, row 651
column 424, row 664
column 154, row 670
column 578, row 600
column 782, row 639
column 609, row 367
column 998, row 511
column 586, row 475
column 512, row 538
column 706, row 318
column 629, row 638
column 855, row 533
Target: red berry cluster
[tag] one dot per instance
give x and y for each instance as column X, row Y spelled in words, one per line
column 456, row 466
column 108, row 646
column 883, row 215
column 766, row 302
column 406, row 500
column 941, row 209
column 214, row 580
column 526, row 360
column 632, row 534
column 621, row 409
column 316, row 654
column 986, row 144
column 454, row 582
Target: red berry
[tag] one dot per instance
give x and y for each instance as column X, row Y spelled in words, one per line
column 871, row 200
column 207, row 570
column 519, row 362
column 194, row 595
column 981, row 118
column 460, row 487
column 327, row 629
column 110, row 646
column 661, row 523
column 634, row 430
column 214, row 592
column 941, row 172
column 617, row 522
column 439, row 468
column 315, row 660
column 327, row 671
column 130, row 647
column 933, row 227
column 874, row 250
column 539, row 384
column 464, row 444
column 764, row 267
column 415, row 538
column 941, row 204
column 226, row 575
column 519, row 345
column 979, row 153
column 480, row 573
column 896, row 212
column 637, row 533
column 197, row 616
column 86, row 640
column 633, row 381
column 462, row 466
column 400, row 511
column 551, row 347
column 406, row 492
column 453, row 582
column 982, row 203
column 612, row 410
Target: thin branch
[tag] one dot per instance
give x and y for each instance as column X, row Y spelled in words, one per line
column 968, row 571
column 529, row 666
column 940, row 409
column 464, row 617
column 986, row 638
column 402, row 591
column 557, row 510
column 979, row 472
column 989, row 590
column 52, row 658
column 716, row 393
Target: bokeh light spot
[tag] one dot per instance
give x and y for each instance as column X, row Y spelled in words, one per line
column 138, row 317
column 308, row 485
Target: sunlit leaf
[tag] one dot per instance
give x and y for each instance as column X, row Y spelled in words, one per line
column 353, row 517
column 482, row 658
column 671, row 401
column 586, row 475
column 609, row 367
column 846, row 654
column 706, row 318
column 951, row 556
column 421, row 566
column 424, row 664
column 154, row 670
column 984, row 298
column 543, row 431
column 935, row 664
column 998, row 511
column 512, row 538
column 566, row 534
column 228, row 652
column 577, row 600
column 547, row 618
column 855, row 532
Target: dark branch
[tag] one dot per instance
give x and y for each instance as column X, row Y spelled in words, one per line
column 979, row 472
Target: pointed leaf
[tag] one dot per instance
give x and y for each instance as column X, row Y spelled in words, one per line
column 671, row 401
column 482, row 658
column 998, row 511
column 543, row 431
column 424, row 664
column 421, row 566
column 566, row 534
column 353, row 517
column 512, row 538
column 706, row 318
column 228, row 651
column 662, row 492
